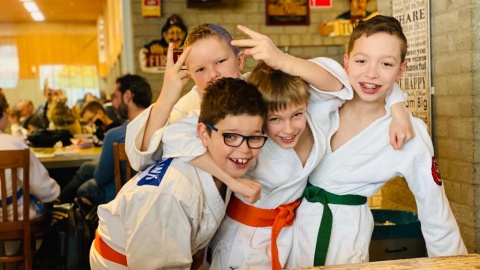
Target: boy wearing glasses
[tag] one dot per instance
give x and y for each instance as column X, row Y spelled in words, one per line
column 169, row 212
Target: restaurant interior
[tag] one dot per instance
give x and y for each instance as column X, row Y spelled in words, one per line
column 82, row 46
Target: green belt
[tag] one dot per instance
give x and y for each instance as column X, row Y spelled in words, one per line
column 316, row 194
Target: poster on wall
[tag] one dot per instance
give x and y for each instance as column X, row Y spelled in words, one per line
column 287, row 12
column 414, row 17
column 359, row 10
column 153, row 56
column 151, row 8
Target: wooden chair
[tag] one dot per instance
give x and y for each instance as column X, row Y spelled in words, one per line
column 22, row 229
column 119, row 156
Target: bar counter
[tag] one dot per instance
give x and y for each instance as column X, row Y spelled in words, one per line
column 463, row 262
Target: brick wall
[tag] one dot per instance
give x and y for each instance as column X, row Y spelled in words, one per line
column 298, row 40
column 455, row 71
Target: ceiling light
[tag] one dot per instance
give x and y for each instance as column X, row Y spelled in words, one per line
column 30, row 6
column 37, row 16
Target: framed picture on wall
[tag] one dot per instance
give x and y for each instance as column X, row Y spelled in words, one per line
column 203, row 3
column 287, row 12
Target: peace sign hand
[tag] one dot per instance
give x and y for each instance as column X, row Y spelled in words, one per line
column 261, row 48
column 175, row 77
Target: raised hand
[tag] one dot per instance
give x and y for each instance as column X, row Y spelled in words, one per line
column 261, row 48
column 175, row 78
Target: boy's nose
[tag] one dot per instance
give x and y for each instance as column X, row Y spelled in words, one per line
column 288, row 128
column 372, row 71
column 214, row 75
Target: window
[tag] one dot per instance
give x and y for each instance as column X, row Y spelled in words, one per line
column 9, row 66
column 74, row 80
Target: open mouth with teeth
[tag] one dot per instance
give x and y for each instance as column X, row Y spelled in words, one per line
column 288, row 139
column 370, row 87
column 240, row 163
column 240, row 160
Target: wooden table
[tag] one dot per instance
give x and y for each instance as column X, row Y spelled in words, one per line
column 66, row 157
column 463, row 262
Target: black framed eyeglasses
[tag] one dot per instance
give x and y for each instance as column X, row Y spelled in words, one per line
column 235, row 140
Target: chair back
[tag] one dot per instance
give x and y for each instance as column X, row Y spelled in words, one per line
column 17, row 163
column 119, row 156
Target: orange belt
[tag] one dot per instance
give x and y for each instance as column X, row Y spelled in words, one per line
column 252, row 216
column 107, row 252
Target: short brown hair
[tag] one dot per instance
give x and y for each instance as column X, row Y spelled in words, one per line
column 279, row 89
column 379, row 24
column 229, row 96
column 92, row 106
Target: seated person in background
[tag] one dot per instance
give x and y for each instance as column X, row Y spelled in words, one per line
column 95, row 116
column 26, row 112
column 15, row 128
column 175, row 206
column 41, row 185
column 35, row 123
column 49, row 94
column 63, row 117
column 134, row 94
column 86, row 99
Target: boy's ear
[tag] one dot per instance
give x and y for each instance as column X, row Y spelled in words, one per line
column 241, row 60
column 345, row 62
column 202, row 132
column 403, row 67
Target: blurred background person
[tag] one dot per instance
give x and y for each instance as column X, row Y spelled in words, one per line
column 15, row 128
column 26, row 112
column 49, row 94
column 63, row 117
column 94, row 115
column 42, row 186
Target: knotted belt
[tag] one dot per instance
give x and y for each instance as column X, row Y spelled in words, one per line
column 107, row 252
column 315, row 194
column 252, row 216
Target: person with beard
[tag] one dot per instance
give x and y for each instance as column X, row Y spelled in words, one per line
column 95, row 181
column 94, row 115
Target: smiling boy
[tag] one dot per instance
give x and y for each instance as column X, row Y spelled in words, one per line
column 359, row 161
column 170, row 211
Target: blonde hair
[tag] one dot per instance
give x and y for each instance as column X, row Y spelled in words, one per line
column 279, row 89
column 207, row 30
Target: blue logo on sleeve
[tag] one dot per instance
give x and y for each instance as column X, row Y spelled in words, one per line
column 156, row 173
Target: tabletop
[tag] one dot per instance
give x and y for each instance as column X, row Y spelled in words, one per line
column 66, row 156
column 463, row 262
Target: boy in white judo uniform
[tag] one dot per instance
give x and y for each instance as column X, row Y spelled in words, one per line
column 334, row 223
column 169, row 212
column 285, row 183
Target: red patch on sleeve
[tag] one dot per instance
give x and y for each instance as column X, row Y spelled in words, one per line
column 436, row 173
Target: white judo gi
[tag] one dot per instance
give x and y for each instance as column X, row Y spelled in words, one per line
column 160, row 218
column 360, row 167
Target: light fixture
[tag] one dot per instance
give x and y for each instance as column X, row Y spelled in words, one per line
column 30, row 6
column 37, row 16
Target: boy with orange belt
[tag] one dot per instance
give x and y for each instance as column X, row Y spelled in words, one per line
column 166, row 215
